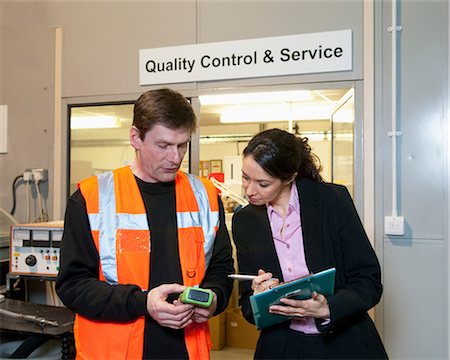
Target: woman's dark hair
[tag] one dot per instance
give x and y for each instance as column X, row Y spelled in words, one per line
column 282, row 154
column 165, row 107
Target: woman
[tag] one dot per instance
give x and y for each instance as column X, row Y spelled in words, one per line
column 297, row 224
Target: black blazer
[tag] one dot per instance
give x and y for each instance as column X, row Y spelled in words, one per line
column 333, row 236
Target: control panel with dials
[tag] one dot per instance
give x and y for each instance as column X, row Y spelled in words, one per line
column 35, row 248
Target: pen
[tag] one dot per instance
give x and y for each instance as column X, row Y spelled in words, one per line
column 241, row 277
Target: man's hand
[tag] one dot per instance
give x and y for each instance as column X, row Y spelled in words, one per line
column 176, row 315
column 203, row 314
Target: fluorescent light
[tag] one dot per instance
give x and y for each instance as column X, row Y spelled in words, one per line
column 94, row 122
column 256, row 114
column 273, row 113
column 262, row 97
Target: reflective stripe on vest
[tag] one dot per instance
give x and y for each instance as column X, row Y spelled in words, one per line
column 107, row 222
column 206, row 218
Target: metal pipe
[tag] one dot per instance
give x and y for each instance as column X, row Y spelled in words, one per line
column 394, row 133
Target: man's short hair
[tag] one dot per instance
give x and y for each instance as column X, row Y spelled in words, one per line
column 165, row 107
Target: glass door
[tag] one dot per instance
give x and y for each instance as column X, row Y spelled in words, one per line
column 342, row 129
column 228, row 121
column 99, row 140
column 99, row 133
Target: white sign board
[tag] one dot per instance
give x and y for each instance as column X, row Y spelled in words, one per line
column 281, row 55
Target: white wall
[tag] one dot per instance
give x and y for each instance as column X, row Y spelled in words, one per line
column 415, row 266
column 100, row 57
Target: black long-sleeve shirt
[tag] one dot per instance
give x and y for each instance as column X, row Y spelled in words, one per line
column 80, row 289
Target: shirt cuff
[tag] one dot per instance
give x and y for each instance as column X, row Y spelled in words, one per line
column 137, row 303
column 323, row 325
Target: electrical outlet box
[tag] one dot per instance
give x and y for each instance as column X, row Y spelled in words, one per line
column 27, row 176
column 35, row 175
column 40, row 175
column 394, row 225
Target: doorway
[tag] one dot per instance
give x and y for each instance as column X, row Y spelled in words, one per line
column 99, row 133
column 324, row 116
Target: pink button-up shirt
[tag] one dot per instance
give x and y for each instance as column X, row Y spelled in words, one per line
column 288, row 239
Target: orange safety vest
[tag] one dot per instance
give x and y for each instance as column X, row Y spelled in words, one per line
column 119, row 226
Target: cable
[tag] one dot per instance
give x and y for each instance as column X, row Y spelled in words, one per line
column 28, row 200
column 14, row 193
column 42, row 212
column 44, row 208
column 39, row 197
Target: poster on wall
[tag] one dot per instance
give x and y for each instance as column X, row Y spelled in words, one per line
column 272, row 56
column 216, row 166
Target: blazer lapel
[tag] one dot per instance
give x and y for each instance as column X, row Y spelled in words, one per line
column 267, row 255
column 311, row 215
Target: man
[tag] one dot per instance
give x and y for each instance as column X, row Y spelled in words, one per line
column 135, row 237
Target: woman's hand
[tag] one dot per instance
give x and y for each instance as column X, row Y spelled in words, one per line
column 263, row 282
column 316, row 307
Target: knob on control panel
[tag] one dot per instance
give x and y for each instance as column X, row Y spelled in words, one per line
column 30, row 260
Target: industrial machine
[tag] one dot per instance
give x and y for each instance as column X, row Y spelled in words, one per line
column 35, row 249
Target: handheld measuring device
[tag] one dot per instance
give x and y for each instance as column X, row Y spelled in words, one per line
column 197, row 296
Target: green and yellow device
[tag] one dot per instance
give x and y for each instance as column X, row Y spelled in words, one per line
column 197, row 296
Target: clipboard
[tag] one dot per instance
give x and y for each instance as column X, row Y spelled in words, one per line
column 299, row 289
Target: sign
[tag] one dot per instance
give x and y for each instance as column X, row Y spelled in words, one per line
column 273, row 56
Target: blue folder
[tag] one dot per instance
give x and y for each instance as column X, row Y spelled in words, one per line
column 300, row 289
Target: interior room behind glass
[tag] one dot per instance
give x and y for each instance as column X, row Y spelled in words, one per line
column 99, row 133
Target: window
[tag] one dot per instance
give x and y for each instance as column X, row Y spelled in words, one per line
column 324, row 116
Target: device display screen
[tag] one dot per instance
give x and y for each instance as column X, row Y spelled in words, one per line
column 198, row 295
